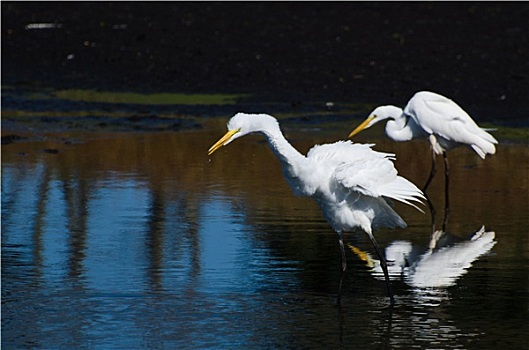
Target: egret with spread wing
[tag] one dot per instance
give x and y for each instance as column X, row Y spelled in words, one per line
column 436, row 117
column 350, row 182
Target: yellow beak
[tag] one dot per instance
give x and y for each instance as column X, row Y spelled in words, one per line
column 222, row 141
column 361, row 126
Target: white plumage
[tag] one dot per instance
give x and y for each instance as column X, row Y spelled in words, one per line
column 432, row 116
column 349, row 181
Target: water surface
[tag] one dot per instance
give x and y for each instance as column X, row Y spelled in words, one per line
column 140, row 240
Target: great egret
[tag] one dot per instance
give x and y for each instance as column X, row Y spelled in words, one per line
column 348, row 181
column 431, row 115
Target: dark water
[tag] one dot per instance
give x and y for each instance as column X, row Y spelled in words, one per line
column 139, row 240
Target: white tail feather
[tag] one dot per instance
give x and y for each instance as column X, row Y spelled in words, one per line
column 404, row 191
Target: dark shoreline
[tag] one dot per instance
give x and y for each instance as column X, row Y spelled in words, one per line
column 378, row 52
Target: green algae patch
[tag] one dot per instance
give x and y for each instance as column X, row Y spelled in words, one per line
column 146, row 99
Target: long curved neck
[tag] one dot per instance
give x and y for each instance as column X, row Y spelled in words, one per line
column 291, row 159
column 296, row 166
column 402, row 128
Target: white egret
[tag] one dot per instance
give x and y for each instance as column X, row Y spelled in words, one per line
column 438, row 118
column 350, row 182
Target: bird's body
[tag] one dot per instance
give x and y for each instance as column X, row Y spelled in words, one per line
column 350, row 182
column 444, row 123
column 433, row 116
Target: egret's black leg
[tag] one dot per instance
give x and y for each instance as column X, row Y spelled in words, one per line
column 344, row 267
column 342, row 250
column 432, row 209
column 447, row 190
column 384, row 267
column 432, row 173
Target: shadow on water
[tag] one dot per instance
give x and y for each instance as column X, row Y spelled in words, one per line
column 138, row 239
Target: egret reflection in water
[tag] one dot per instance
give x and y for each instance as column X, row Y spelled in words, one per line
column 445, row 260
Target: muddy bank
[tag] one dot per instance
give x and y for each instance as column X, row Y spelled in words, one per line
column 476, row 53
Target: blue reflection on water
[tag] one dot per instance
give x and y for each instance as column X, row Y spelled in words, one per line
column 53, row 236
column 111, row 261
column 116, row 236
column 220, row 248
column 20, row 198
column 108, row 262
column 115, row 255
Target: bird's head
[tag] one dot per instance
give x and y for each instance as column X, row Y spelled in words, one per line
column 379, row 114
column 242, row 124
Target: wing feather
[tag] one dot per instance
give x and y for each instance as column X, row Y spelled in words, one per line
column 357, row 167
column 377, row 177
